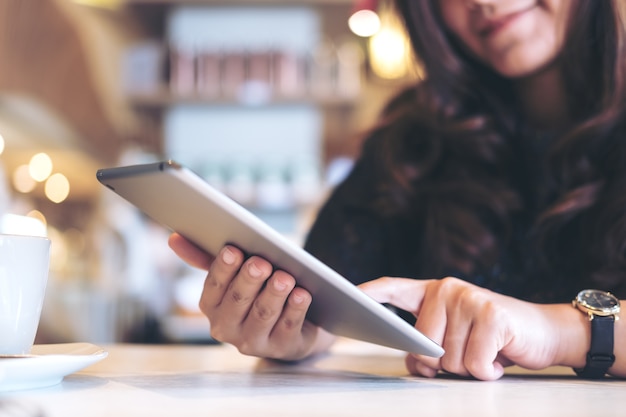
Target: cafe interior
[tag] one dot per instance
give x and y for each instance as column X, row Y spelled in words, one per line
column 267, row 100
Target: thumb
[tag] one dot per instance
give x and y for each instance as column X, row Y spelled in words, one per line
column 189, row 252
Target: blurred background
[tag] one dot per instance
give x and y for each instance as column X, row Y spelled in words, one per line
column 268, row 100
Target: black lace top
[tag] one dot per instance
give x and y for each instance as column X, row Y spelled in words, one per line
column 359, row 243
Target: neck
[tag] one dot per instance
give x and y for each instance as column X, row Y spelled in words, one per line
column 543, row 99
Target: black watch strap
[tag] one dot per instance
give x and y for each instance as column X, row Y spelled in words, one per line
column 600, row 356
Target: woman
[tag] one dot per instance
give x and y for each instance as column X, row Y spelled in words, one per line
column 505, row 169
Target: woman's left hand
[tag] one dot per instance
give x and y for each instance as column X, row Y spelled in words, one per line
column 481, row 331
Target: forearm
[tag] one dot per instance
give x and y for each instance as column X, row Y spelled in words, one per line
column 573, row 331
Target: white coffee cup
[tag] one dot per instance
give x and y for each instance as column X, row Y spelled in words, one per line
column 24, row 265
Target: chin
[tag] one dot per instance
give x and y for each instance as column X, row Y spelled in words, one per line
column 524, row 62
column 522, row 68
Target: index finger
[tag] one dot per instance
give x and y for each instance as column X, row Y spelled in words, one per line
column 404, row 293
column 189, row 252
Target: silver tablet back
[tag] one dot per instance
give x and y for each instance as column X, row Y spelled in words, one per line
column 182, row 201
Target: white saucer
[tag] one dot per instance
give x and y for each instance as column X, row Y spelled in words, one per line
column 50, row 365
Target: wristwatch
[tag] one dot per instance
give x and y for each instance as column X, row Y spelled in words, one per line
column 603, row 309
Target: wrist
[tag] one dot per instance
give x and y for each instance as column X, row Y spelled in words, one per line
column 573, row 335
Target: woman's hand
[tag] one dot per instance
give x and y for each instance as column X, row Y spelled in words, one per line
column 257, row 309
column 481, row 331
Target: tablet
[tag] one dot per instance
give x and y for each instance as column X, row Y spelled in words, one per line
column 182, row 201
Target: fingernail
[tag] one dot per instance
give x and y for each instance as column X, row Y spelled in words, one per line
column 228, row 256
column 279, row 285
column 254, row 270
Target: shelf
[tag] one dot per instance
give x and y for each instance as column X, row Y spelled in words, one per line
column 166, row 90
column 241, row 2
column 165, row 99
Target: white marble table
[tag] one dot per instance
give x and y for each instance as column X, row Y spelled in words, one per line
column 356, row 379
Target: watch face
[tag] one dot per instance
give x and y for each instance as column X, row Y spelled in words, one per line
column 598, row 301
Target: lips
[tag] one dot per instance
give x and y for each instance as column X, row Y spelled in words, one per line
column 488, row 27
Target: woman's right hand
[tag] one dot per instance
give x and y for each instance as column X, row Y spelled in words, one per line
column 250, row 305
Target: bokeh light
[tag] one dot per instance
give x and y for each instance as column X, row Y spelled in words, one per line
column 364, row 23
column 389, row 51
column 57, row 188
column 22, row 180
column 36, row 214
column 40, row 167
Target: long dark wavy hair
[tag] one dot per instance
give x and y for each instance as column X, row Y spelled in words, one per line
column 453, row 148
